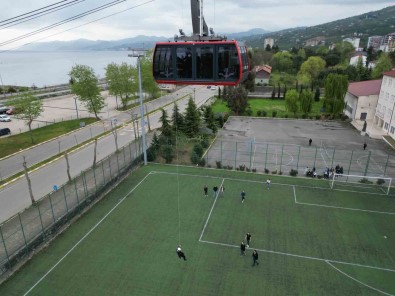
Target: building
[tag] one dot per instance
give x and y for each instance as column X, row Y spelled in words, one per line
column 355, row 59
column 268, row 41
column 384, row 117
column 315, row 41
column 375, row 42
column 262, row 74
column 354, row 41
column 361, row 99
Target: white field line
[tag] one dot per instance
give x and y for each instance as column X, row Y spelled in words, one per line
column 339, row 208
column 359, row 282
column 301, row 256
column 85, row 236
column 322, row 156
column 212, row 207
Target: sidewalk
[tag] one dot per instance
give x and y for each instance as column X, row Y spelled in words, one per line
column 372, row 130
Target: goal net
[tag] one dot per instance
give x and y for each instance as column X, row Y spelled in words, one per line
column 361, row 183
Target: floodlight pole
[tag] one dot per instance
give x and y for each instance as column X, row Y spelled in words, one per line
column 138, row 54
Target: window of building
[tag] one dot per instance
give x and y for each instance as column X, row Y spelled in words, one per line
column 386, row 126
column 392, row 129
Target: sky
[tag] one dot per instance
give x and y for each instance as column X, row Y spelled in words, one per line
column 164, row 17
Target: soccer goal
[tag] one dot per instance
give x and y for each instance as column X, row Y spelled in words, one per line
column 361, row 183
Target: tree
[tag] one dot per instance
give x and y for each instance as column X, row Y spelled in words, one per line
column 84, row 84
column 282, row 61
column 191, row 119
column 210, row 119
column 268, row 47
column 317, row 94
column 311, row 68
column 332, row 59
column 165, row 128
column 335, row 89
column 278, row 91
column 122, row 81
column 148, row 82
column 249, row 83
column 291, row 101
column 29, row 108
column 237, row 100
column 306, row 101
column 383, row 64
column 345, row 50
column 177, row 119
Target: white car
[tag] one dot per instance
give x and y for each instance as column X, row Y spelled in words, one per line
column 5, row 118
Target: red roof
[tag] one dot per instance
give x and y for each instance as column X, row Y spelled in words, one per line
column 265, row 68
column 365, row 88
column 390, row 73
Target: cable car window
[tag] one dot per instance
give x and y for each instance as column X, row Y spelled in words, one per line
column 205, row 62
column 228, row 62
column 184, row 62
column 163, row 65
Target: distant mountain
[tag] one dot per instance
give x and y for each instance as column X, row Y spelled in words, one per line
column 135, row 42
column 379, row 22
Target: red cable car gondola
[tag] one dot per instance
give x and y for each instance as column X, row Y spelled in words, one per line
column 200, row 62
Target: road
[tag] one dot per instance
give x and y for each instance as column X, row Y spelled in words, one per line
column 15, row 197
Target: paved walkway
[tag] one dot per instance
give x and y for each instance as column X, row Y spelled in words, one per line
column 372, row 130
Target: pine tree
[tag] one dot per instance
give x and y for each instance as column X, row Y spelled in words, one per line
column 177, row 119
column 191, row 119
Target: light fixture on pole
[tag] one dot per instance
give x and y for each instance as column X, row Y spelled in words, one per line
column 138, row 53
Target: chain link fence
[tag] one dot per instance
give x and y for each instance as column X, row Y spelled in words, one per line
column 24, row 232
column 276, row 158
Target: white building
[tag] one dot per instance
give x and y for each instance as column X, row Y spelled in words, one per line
column 384, row 116
column 268, row 41
column 355, row 59
column 361, row 100
column 354, row 41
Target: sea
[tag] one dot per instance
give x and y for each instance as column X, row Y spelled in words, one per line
column 28, row 68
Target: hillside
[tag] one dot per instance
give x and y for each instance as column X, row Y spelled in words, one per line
column 379, row 22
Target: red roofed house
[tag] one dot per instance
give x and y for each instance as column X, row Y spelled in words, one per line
column 262, row 74
column 384, row 117
column 361, row 99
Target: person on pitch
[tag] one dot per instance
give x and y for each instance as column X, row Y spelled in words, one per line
column 180, row 253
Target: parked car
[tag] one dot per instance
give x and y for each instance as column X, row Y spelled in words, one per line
column 214, row 88
column 5, row 131
column 10, row 111
column 3, row 110
column 5, row 118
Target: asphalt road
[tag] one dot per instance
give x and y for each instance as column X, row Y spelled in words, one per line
column 15, row 197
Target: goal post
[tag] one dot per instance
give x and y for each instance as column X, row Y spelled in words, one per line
column 367, row 184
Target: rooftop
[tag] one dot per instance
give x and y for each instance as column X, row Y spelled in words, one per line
column 390, row 73
column 365, row 88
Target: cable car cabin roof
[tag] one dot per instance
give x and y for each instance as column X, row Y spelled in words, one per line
column 206, row 63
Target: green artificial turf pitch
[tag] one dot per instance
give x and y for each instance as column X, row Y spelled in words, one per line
column 310, row 241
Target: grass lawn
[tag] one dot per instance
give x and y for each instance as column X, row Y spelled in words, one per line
column 269, row 106
column 17, row 142
column 310, row 240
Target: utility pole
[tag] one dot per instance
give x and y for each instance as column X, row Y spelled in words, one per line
column 138, row 53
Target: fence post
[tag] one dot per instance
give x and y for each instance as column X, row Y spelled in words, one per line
column 221, row 151
column 53, row 214
column 267, row 148
column 124, row 156
column 65, row 200
column 281, row 160
column 386, row 165
column 94, row 176
column 109, row 165
column 85, row 185
column 23, row 231
column 250, row 155
column 333, row 156
column 41, row 220
column 102, row 169
column 130, row 149
column 349, row 166
column 297, row 163
column 5, row 247
column 236, row 156
column 315, row 157
column 367, row 163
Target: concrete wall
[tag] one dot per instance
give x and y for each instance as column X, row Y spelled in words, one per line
column 385, row 107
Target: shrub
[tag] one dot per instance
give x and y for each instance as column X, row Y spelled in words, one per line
column 274, row 113
column 318, row 117
column 202, row 162
column 296, row 116
column 242, row 167
column 286, row 116
column 249, row 111
column 248, row 169
column 218, row 164
column 259, row 113
column 205, row 143
column 264, row 113
column 266, row 171
column 195, row 158
column 293, row 173
column 380, row 182
column 228, row 167
column 274, row 172
column 365, row 181
column 280, row 173
column 254, row 170
column 151, row 154
column 198, row 149
column 168, row 153
column 304, row 116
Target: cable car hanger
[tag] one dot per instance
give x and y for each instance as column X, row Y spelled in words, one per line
column 202, row 58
